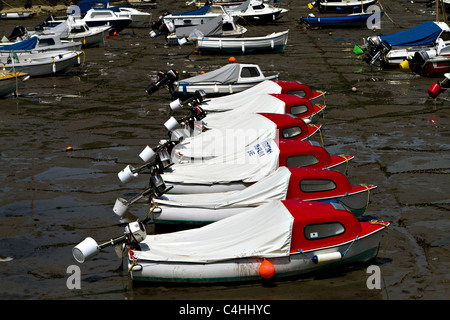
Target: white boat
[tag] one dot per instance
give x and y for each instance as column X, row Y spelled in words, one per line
column 40, row 42
column 239, row 99
column 276, row 240
column 256, row 12
column 96, row 18
column 16, row 15
column 219, row 26
column 272, row 43
column 242, row 132
column 230, row 78
column 140, row 19
column 11, row 81
column 269, row 103
column 76, row 29
column 41, row 64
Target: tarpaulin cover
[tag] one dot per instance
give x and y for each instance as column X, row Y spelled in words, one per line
column 247, row 164
column 235, row 100
column 27, row 44
column 272, row 187
column 239, row 134
column 422, row 35
column 210, row 28
column 262, row 231
column 226, row 74
column 260, row 103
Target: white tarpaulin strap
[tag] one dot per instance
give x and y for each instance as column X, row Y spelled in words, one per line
column 263, row 231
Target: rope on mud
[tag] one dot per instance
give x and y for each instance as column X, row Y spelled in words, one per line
column 386, row 225
column 368, row 197
column 150, row 211
column 346, row 161
column 320, row 132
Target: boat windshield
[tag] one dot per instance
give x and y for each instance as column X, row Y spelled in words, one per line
column 302, row 160
column 291, row 132
column 323, row 230
column 216, row 10
column 296, row 110
column 317, row 185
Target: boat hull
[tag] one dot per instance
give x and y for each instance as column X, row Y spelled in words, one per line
column 237, row 270
column 346, row 6
column 350, row 21
column 46, row 66
column 273, row 43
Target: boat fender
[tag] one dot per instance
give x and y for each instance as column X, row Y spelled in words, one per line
column 327, row 257
column 127, row 174
column 266, row 269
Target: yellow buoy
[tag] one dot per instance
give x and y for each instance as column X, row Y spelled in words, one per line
column 404, row 65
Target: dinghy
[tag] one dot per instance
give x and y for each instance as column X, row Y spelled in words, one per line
column 269, row 103
column 279, row 239
column 271, row 43
column 42, row 63
column 231, row 78
column 242, row 132
column 284, row 183
column 237, row 100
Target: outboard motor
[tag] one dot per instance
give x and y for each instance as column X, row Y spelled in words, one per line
column 164, row 79
column 437, row 88
column 18, row 32
column 418, row 60
column 196, row 113
column 156, row 188
column 377, row 49
column 134, row 233
column 161, row 28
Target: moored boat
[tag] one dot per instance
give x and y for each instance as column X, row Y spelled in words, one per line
column 42, row 63
column 231, row 78
column 276, row 240
column 272, row 43
column 356, row 20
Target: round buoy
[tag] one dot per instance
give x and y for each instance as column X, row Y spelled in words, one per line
column 115, row 33
column 69, row 148
column 232, row 60
column 354, row 89
column 266, row 269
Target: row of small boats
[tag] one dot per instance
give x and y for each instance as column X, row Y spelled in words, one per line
column 215, row 28
column 269, row 201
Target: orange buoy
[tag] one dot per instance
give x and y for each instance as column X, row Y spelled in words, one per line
column 232, row 60
column 266, row 269
column 69, row 148
column 115, row 33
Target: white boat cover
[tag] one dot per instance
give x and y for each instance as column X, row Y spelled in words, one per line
column 235, row 100
column 260, row 103
column 227, row 140
column 226, row 74
column 264, row 231
column 210, row 28
column 246, row 164
column 272, row 187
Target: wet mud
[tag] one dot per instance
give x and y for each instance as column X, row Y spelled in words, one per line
column 52, row 197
